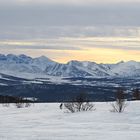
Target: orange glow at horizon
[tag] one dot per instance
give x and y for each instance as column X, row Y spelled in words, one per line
column 100, row 56
column 95, row 55
column 96, row 49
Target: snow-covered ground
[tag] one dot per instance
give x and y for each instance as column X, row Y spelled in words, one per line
column 48, row 122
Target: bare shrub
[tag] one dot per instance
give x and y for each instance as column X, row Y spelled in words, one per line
column 19, row 105
column 27, row 104
column 120, row 102
column 21, row 102
column 80, row 103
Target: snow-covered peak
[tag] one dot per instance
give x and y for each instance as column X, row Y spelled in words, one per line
column 126, row 69
column 15, row 58
column 120, row 62
column 2, row 57
column 43, row 65
column 43, row 59
column 23, row 56
column 23, row 64
column 11, row 57
column 42, row 62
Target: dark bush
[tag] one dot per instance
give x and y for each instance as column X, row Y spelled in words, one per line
column 80, row 103
column 120, row 103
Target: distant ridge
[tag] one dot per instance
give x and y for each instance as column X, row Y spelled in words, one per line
column 43, row 65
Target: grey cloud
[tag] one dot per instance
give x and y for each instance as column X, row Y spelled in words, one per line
column 25, row 19
column 47, row 47
column 74, row 2
column 60, row 15
column 117, row 47
column 47, row 32
column 73, row 43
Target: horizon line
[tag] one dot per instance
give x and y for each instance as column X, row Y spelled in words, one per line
column 34, row 57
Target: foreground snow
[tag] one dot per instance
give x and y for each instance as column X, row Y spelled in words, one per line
column 48, row 122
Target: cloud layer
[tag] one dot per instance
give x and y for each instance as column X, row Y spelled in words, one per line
column 99, row 30
column 73, row 2
column 121, row 14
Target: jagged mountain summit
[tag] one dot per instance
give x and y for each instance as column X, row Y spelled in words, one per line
column 42, row 65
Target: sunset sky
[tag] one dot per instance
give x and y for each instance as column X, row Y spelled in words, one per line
column 104, row 31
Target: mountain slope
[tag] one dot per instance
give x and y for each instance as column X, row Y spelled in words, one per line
column 13, row 64
column 23, row 64
column 77, row 69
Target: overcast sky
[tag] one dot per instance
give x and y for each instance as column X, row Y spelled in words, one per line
column 71, row 29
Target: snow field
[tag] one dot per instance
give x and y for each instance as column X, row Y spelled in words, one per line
column 48, row 122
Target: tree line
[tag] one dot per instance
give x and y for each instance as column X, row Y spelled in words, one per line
column 19, row 102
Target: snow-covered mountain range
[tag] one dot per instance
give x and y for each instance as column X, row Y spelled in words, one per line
column 21, row 64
